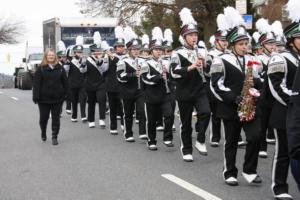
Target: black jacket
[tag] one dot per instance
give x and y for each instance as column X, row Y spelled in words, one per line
column 227, row 80
column 94, row 77
column 155, row 89
column 189, row 84
column 50, row 85
column 76, row 78
column 281, row 72
column 111, row 81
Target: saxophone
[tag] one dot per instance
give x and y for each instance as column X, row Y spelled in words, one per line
column 163, row 70
column 247, row 106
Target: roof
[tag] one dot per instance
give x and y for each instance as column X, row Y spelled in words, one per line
column 84, row 22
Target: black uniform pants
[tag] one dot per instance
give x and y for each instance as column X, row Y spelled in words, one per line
column 97, row 96
column 281, row 162
column 232, row 134
column 215, row 123
column 68, row 105
column 128, row 106
column 78, row 95
column 186, row 108
column 265, row 117
column 115, row 107
column 153, row 116
column 45, row 110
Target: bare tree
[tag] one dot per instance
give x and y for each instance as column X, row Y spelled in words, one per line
column 204, row 11
column 10, row 31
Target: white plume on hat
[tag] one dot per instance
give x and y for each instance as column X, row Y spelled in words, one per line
column 222, row 23
column 256, row 36
column 145, row 39
column 79, row 40
column 104, row 45
column 61, row 46
column 97, row 38
column 212, row 40
column 277, row 28
column 168, row 35
column 263, row 26
column 129, row 34
column 181, row 40
column 119, row 32
column 293, row 8
column 233, row 18
column 157, row 34
column 201, row 44
column 187, row 17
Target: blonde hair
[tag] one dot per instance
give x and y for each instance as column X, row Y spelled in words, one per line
column 45, row 61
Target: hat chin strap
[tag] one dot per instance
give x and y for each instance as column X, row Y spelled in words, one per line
column 267, row 51
column 221, row 47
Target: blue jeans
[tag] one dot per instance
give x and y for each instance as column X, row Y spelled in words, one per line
column 295, row 167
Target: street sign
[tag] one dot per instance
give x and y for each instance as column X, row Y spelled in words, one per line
column 248, row 21
column 241, row 6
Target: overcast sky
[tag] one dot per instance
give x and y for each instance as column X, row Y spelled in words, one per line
column 33, row 13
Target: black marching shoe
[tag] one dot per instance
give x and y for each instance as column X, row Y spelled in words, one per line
column 54, row 141
column 168, row 143
column 44, row 137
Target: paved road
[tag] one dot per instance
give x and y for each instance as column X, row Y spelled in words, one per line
column 90, row 164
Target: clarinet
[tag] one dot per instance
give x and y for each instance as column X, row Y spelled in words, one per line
column 201, row 73
column 162, row 68
column 137, row 67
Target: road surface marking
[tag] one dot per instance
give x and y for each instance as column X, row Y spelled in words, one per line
column 15, row 98
column 190, row 187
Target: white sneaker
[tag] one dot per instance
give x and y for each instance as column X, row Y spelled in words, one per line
column 69, row 112
column 263, row 154
column 114, row 132
column 84, row 119
column 91, row 124
column 160, row 128
column 284, row 196
column 188, row 158
column 194, row 113
column 232, row 181
column 130, row 139
column 270, row 141
column 73, row 120
column 173, row 127
column 214, row 144
column 152, row 147
column 118, row 117
column 102, row 123
column 137, row 121
column 122, row 127
column 143, row 137
column 169, row 143
column 241, row 143
column 201, row 147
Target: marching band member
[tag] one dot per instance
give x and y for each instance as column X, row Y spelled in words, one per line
column 187, row 69
column 267, row 42
column 76, row 80
column 279, row 36
column 227, row 80
column 168, row 48
column 128, row 75
column 220, row 46
column 157, row 92
column 281, row 72
column 63, row 62
column 112, row 85
column 96, row 65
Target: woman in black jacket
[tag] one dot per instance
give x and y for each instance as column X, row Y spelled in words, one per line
column 50, row 87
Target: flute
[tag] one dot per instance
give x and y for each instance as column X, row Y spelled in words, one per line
column 137, row 68
column 161, row 66
column 201, row 73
